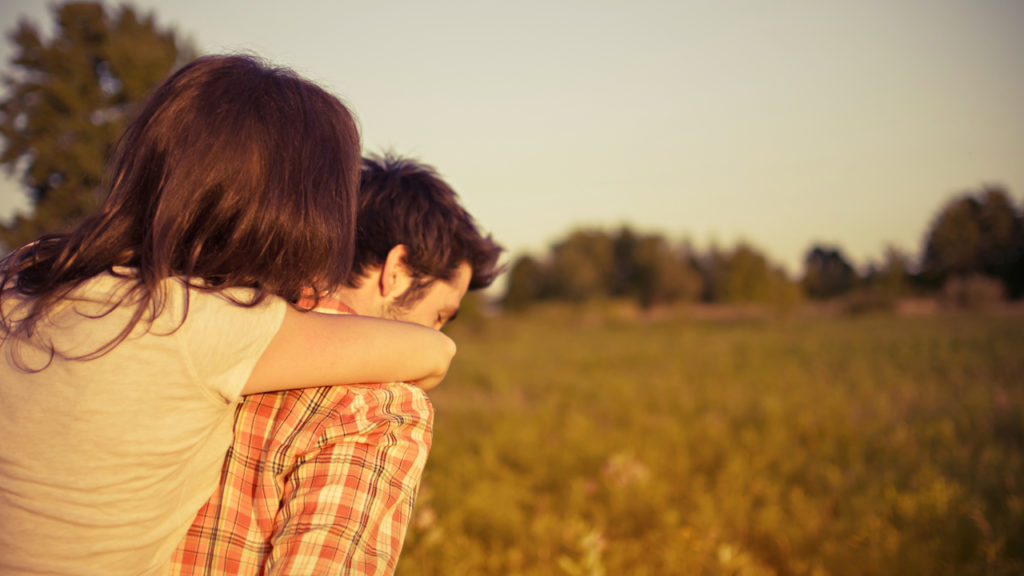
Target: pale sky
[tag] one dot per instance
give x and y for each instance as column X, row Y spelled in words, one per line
column 782, row 123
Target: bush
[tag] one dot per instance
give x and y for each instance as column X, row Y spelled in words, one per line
column 869, row 300
column 973, row 292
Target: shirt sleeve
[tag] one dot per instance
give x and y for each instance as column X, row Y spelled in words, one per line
column 225, row 339
column 347, row 504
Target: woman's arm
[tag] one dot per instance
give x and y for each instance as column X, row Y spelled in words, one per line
column 312, row 349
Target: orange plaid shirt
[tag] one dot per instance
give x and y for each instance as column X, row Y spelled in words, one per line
column 317, row 481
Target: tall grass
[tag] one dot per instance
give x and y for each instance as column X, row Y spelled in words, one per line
column 575, row 443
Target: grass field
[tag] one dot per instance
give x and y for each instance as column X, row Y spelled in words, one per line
column 571, row 442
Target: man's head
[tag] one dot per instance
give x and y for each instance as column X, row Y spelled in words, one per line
column 417, row 249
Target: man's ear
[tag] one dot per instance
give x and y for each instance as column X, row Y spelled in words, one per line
column 395, row 278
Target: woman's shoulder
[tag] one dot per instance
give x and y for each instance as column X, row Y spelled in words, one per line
column 174, row 304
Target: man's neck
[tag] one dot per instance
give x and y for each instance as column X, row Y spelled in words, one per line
column 360, row 299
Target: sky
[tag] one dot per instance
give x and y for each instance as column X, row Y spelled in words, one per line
column 778, row 123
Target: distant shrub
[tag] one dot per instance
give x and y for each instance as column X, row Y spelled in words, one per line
column 869, row 300
column 973, row 292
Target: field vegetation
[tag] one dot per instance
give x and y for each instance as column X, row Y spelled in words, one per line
column 587, row 441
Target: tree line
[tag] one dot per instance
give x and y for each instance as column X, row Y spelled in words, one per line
column 973, row 251
column 69, row 96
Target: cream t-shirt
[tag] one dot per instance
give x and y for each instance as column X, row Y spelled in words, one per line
column 105, row 462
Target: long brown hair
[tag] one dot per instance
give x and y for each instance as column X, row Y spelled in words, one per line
column 233, row 174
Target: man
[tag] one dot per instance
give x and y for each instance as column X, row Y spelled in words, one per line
column 323, row 481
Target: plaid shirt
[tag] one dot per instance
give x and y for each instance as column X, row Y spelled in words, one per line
column 317, row 481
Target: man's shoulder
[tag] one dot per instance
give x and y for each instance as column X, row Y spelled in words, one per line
column 302, row 405
column 323, row 406
column 319, row 411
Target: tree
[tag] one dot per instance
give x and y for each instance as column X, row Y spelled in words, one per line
column 978, row 234
column 892, row 278
column 525, row 283
column 582, row 266
column 827, row 273
column 650, row 271
column 68, row 99
column 953, row 243
column 1002, row 239
column 745, row 276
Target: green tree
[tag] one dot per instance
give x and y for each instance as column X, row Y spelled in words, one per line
column 953, row 244
column 980, row 234
column 746, row 276
column 68, row 98
column 883, row 284
column 1002, row 239
column 892, row 278
column 827, row 273
column 649, row 270
column 525, row 283
column 582, row 266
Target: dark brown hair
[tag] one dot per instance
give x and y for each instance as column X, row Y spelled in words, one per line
column 233, row 174
column 404, row 202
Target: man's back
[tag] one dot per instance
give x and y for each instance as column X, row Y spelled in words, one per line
column 316, row 478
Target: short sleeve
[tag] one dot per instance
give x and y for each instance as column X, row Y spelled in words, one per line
column 225, row 340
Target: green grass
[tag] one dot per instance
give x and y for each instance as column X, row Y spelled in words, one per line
column 574, row 443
